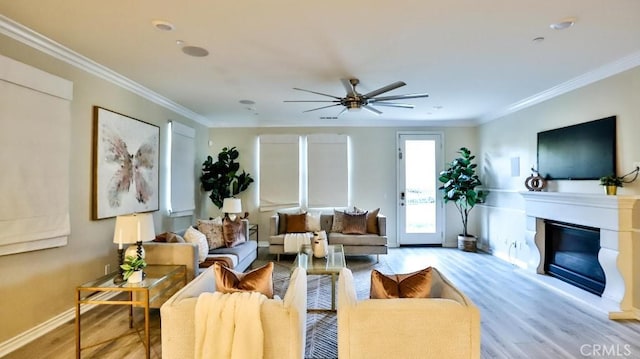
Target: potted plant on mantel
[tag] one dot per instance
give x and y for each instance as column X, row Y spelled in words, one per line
column 459, row 186
column 222, row 178
column 612, row 182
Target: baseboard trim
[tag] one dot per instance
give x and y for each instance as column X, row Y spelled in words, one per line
column 41, row 329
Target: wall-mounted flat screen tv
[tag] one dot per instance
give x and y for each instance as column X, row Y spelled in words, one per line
column 585, row 151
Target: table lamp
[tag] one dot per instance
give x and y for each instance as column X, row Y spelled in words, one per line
column 132, row 228
column 231, row 206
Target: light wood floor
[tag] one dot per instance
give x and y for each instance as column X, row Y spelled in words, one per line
column 521, row 318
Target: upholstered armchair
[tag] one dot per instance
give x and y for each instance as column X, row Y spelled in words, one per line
column 446, row 325
column 283, row 320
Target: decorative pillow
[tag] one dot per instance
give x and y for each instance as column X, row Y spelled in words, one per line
column 192, row 235
column 257, row 280
column 354, row 223
column 338, row 216
column 312, row 223
column 162, row 237
column 372, row 219
column 232, row 232
column 410, row 285
column 174, row 238
column 213, row 230
column 282, row 223
column 296, row 223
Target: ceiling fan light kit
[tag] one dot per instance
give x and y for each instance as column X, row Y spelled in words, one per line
column 354, row 101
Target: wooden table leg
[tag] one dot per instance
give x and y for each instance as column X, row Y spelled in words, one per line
column 333, row 291
column 147, row 334
column 77, row 324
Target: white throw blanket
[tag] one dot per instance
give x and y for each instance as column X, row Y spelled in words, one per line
column 293, row 241
column 228, row 325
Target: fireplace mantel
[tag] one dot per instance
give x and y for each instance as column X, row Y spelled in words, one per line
column 617, row 219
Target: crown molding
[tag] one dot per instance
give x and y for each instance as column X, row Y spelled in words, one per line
column 608, row 70
column 52, row 48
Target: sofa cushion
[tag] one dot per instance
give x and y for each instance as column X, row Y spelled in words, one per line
column 257, row 280
column 312, row 223
column 232, row 232
column 296, row 223
column 338, row 219
column 357, row 239
column 410, row 285
column 212, row 228
column 194, row 236
column 354, row 223
column 372, row 219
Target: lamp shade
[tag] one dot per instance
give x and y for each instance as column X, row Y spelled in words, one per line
column 133, row 228
column 231, row 205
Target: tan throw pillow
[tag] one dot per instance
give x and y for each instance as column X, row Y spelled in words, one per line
column 312, row 223
column 410, row 285
column 257, row 280
column 192, row 235
column 372, row 219
column 232, row 232
column 338, row 217
column 353, row 223
column 174, row 238
column 296, row 223
column 213, row 230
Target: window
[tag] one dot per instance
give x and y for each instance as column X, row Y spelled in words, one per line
column 327, row 170
column 279, row 171
column 182, row 180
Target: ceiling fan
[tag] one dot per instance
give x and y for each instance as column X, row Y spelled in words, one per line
column 354, row 100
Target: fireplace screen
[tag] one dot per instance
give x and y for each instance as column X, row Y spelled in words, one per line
column 571, row 254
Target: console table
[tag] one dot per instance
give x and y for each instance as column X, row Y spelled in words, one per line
column 160, row 283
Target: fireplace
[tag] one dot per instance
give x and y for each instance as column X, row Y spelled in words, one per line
column 572, row 255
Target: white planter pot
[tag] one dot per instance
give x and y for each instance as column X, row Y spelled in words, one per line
column 136, row 277
column 467, row 244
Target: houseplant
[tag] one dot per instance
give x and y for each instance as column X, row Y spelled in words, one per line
column 611, row 183
column 132, row 269
column 459, row 186
column 222, row 177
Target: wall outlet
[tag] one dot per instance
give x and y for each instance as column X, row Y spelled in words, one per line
column 107, row 269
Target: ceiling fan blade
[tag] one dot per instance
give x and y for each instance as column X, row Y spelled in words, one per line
column 351, row 91
column 320, row 108
column 384, row 89
column 317, row 93
column 372, row 110
column 390, row 104
column 399, row 97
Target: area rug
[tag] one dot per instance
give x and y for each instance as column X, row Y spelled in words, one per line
column 322, row 337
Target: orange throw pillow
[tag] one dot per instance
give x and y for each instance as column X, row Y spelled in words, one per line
column 410, row 285
column 297, row 223
column 257, row 280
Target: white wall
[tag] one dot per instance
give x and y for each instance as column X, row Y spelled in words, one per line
column 374, row 168
column 515, row 135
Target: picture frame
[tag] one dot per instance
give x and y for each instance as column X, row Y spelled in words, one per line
column 126, row 156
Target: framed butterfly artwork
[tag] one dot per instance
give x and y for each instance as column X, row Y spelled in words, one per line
column 125, row 165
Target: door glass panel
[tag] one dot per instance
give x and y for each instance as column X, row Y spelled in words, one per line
column 420, row 185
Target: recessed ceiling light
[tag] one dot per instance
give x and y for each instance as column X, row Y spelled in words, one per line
column 195, row 51
column 564, row 23
column 162, row 25
column 247, row 102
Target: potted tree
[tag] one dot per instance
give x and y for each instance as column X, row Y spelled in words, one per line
column 459, row 186
column 222, row 177
column 132, row 269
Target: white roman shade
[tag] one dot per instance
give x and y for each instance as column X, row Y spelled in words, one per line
column 279, row 171
column 182, row 163
column 327, row 170
column 36, row 143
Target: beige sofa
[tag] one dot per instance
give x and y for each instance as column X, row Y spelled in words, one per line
column 241, row 256
column 354, row 244
column 444, row 326
column 283, row 320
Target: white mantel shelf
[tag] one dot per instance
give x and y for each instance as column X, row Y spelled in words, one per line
column 617, row 219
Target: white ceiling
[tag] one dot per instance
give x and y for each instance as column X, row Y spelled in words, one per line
column 476, row 59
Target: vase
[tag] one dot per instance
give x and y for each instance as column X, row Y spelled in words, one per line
column 319, row 245
column 611, row 190
column 136, row 277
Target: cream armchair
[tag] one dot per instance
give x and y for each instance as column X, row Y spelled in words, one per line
column 444, row 326
column 283, row 320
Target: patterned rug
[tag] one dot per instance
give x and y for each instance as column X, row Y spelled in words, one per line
column 322, row 337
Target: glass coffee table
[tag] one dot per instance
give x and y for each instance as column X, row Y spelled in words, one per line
column 331, row 265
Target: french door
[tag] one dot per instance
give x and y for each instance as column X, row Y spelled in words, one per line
column 420, row 210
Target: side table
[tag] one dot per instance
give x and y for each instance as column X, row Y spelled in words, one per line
column 160, row 283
